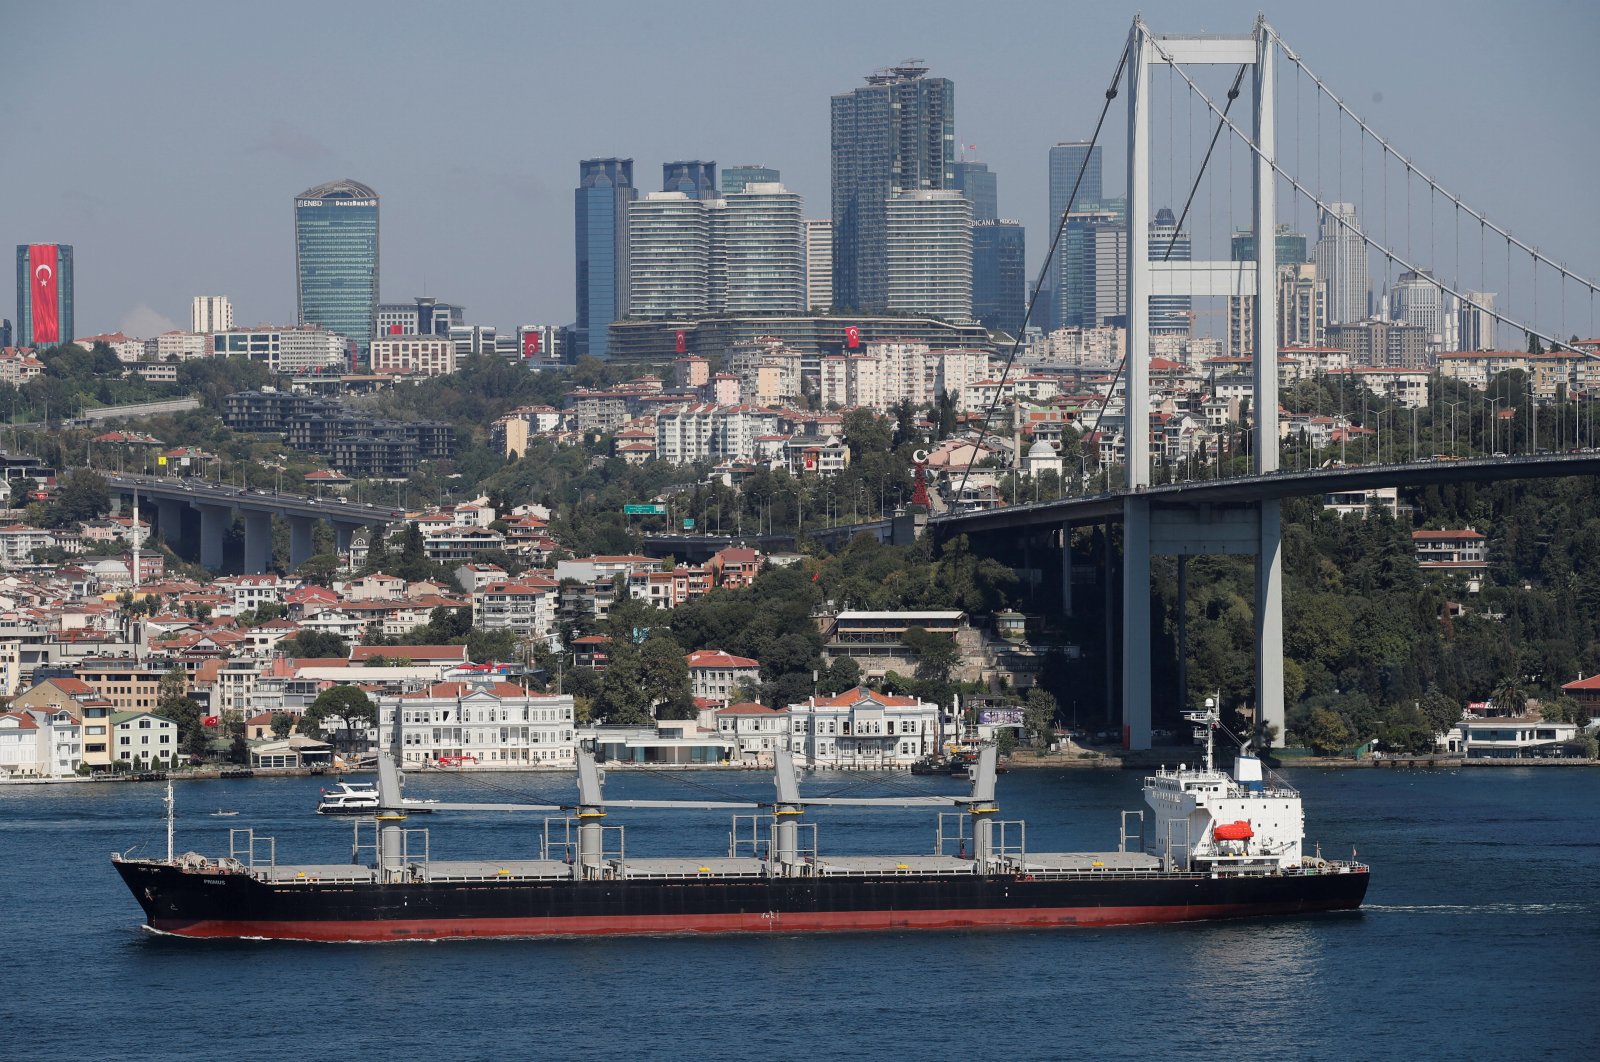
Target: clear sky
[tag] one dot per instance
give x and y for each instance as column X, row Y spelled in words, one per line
column 166, row 140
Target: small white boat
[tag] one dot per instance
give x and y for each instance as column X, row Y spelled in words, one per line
column 349, row 798
column 222, row 814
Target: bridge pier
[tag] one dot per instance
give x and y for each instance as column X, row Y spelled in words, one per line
column 257, row 542
column 301, row 539
column 342, row 533
column 169, row 523
column 1066, row 570
column 214, row 521
column 1269, row 619
column 1136, row 622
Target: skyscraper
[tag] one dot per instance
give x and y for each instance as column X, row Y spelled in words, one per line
column 44, row 294
column 694, row 178
column 999, row 277
column 894, row 134
column 819, row 264
column 1069, row 281
column 1290, row 247
column 1416, row 300
column 669, row 256
column 1342, row 264
column 980, row 186
column 760, row 239
column 210, row 313
column 1089, row 239
column 734, row 178
column 600, row 235
column 929, row 254
column 336, row 259
column 1169, row 314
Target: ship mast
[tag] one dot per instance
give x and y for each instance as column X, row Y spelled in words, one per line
column 169, row 820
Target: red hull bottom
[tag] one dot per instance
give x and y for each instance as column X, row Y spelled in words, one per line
column 817, row 922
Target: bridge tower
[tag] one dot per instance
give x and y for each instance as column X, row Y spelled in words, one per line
column 1189, row 530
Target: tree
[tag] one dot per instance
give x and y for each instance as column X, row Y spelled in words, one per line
column 1442, row 712
column 282, row 723
column 1327, row 732
column 1039, row 716
column 345, row 705
column 319, row 569
column 1510, row 695
column 666, row 677
column 843, row 674
column 317, row 644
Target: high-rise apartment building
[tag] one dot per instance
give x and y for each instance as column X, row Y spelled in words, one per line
column 741, row 255
column 1169, row 314
column 734, row 178
column 44, row 294
column 210, row 313
column 1342, row 264
column 1302, row 312
column 894, row 134
column 999, row 275
column 694, row 178
column 1474, row 321
column 981, row 186
column 759, row 236
column 1417, row 300
column 929, row 254
column 600, row 235
column 336, row 259
column 819, row 264
column 669, row 256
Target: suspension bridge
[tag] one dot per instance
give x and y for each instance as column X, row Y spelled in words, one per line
column 1467, row 278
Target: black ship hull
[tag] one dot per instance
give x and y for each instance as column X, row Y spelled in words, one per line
column 211, row 904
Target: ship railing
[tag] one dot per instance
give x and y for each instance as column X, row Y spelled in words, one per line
column 952, row 829
column 1127, row 835
column 1010, row 842
column 245, row 848
column 746, row 838
column 560, row 839
column 358, row 846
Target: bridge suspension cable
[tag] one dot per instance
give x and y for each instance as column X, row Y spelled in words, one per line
column 1044, row 270
column 1344, row 223
column 1412, row 168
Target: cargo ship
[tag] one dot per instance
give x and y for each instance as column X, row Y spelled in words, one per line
column 1210, row 844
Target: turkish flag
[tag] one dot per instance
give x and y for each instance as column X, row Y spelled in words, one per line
column 682, row 343
column 530, row 344
column 852, row 337
column 394, row 330
column 211, row 720
column 42, row 265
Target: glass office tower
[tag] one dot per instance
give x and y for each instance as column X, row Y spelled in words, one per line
column 336, row 259
column 600, row 233
column 44, row 294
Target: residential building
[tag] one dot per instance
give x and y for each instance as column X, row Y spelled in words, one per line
column 717, row 676
column 44, row 295
column 210, row 313
column 178, row 346
column 760, row 243
column 894, row 134
column 758, row 733
column 481, row 724
column 129, row 685
column 669, row 256
column 600, row 234
column 1342, row 264
column 819, row 264
column 336, row 259
column 736, row 178
column 1379, row 344
column 1515, row 737
column 1475, row 321
column 1463, row 550
column 928, row 254
column 862, row 729
column 1417, row 300
column 526, row 606
column 143, row 738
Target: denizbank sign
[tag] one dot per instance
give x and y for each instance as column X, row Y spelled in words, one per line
column 335, row 202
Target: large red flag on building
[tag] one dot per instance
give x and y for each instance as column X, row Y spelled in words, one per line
column 42, row 264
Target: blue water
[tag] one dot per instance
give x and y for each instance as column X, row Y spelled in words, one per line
column 1479, row 941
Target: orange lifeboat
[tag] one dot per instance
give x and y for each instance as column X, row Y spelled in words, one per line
column 1233, row 831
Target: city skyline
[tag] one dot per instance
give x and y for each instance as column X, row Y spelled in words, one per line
column 492, row 230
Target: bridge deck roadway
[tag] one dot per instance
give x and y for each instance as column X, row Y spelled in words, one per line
column 1096, row 508
column 197, row 493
